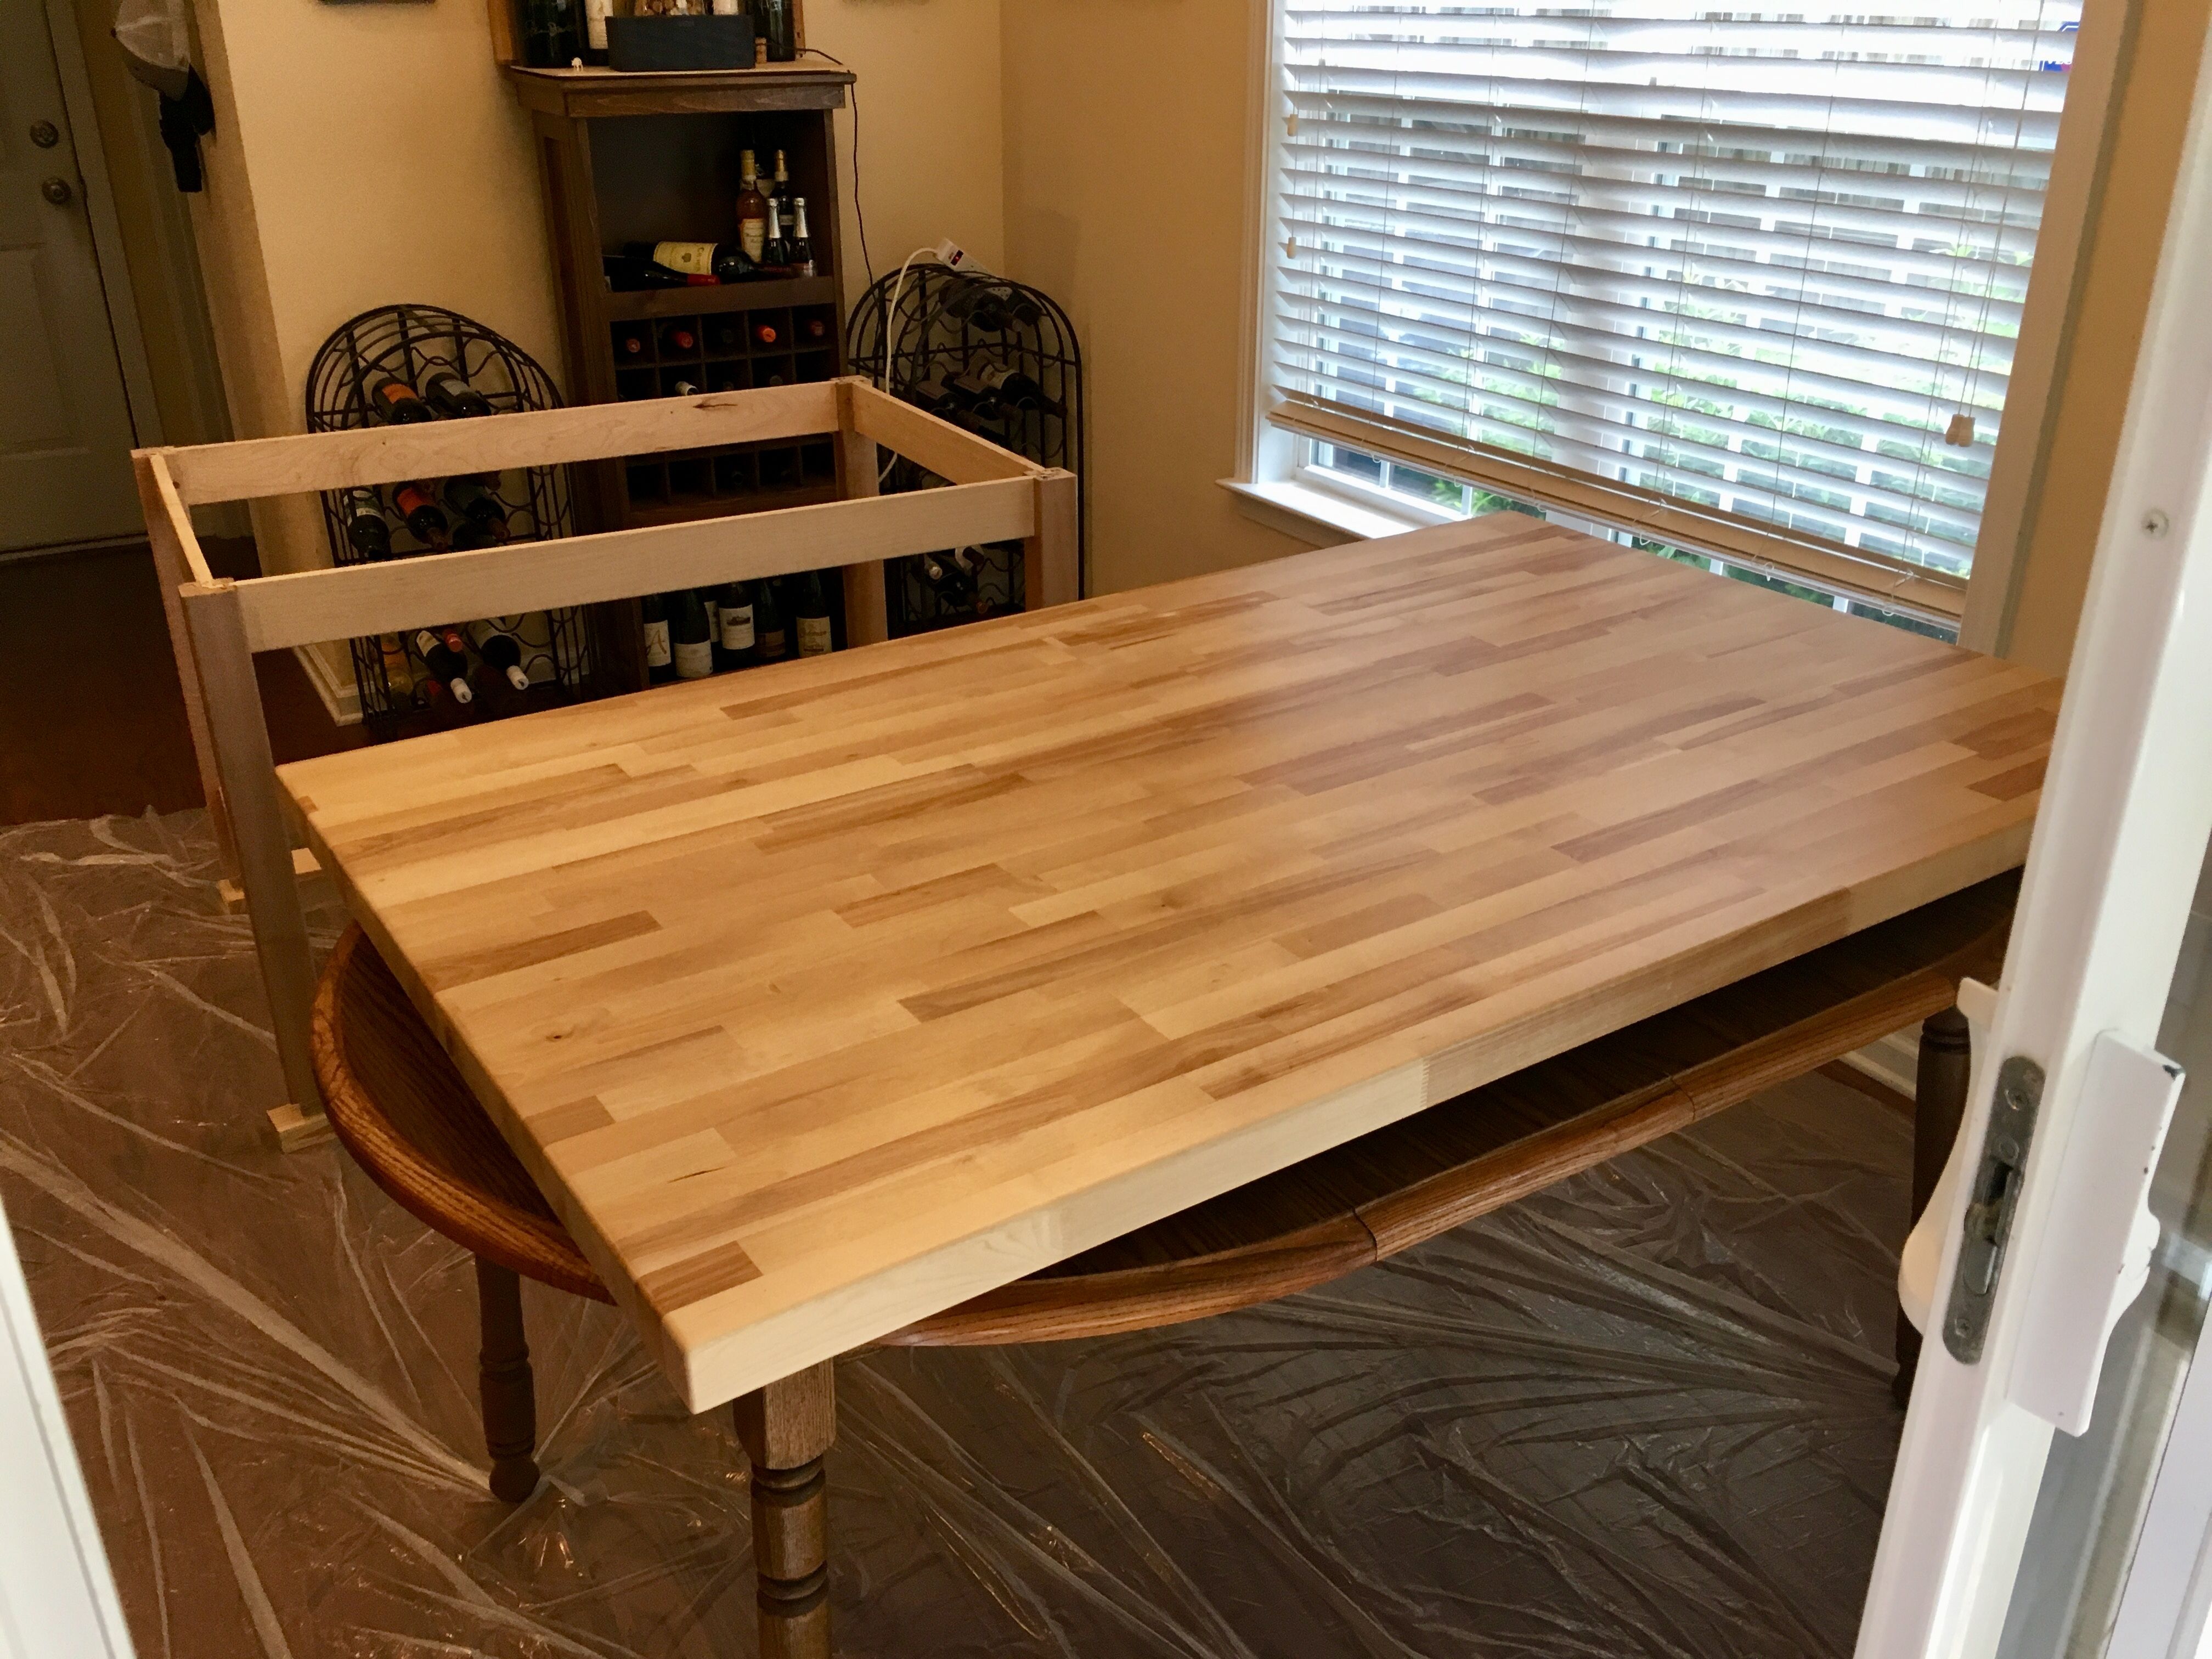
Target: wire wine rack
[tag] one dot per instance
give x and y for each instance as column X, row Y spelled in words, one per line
column 999, row 358
column 399, row 695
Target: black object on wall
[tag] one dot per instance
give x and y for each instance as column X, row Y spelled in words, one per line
column 999, row 358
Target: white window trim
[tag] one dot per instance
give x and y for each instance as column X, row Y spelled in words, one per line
column 1269, row 488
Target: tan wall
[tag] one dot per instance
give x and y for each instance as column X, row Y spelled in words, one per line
column 2157, row 79
column 367, row 155
column 1127, row 124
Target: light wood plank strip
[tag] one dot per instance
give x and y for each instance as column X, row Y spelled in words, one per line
column 1051, row 557
column 308, row 605
column 177, row 560
column 254, row 467
column 928, row 441
column 867, row 618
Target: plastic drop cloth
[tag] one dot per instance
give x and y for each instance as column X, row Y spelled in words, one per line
column 1645, row 1412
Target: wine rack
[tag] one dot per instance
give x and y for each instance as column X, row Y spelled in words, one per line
column 725, row 350
column 921, row 336
column 408, row 343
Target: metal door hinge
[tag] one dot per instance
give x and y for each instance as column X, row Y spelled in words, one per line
column 1997, row 1181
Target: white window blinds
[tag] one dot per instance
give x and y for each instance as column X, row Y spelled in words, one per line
column 1749, row 278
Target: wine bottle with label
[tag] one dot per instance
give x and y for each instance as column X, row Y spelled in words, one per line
column 595, row 32
column 627, row 275
column 811, row 612
column 551, row 36
column 779, row 196
column 502, row 652
column 800, row 252
column 735, row 608
column 366, row 531
column 449, row 665
column 725, row 262
column 775, row 254
column 454, row 396
column 692, row 642
column 398, row 403
column 419, row 510
column 752, row 209
column 770, row 642
column 659, row 653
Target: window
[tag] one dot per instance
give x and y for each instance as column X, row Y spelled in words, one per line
column 1744, row 281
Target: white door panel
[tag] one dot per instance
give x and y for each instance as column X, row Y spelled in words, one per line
column 65, row 433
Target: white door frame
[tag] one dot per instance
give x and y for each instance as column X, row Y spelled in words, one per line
column 2118, row 843
column 56, row 1592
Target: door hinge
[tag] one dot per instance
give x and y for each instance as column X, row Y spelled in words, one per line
column 1997, row 1181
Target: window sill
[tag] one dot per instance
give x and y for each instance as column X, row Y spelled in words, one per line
column 1315, row 517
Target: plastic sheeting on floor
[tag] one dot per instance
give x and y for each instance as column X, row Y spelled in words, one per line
column 1645, row 1412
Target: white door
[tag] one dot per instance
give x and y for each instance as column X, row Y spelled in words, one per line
column 65, row 436
column 2037, row 1238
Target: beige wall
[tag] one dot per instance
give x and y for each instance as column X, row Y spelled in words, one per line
column 370, row 154
column 1126, row 127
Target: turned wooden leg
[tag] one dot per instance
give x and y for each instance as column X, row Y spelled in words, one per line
column 786, row 1428
column 510, row 1397
column 1939, row 1103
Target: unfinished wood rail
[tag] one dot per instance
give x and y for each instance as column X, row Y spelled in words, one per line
column 217, row 625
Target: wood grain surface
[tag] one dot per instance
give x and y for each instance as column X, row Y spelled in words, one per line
column 828, row 996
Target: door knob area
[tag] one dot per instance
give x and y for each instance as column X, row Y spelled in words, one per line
column 57, row 190
column 44, row 134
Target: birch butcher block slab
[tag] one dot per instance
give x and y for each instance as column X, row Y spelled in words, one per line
column 823, row 997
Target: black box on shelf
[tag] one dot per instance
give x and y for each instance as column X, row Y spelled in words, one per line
column 636, row 44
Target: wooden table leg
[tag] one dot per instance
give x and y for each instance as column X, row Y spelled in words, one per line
column 1939, row 1105
column 786, row 1428
column 503, row 1379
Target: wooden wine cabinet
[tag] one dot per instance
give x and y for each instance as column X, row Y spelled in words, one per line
column 644, row 158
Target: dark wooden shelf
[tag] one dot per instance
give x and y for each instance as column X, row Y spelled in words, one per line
column 652, row 304
column 586, row 93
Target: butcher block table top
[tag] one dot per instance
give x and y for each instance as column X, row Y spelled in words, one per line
column 821, row 997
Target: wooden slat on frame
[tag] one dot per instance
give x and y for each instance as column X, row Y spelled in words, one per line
column 927, row 441
column 382, row 598
column 254, row 467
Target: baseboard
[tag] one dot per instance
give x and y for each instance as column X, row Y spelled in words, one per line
column 341, row 696
column 1895, row 1060
column 71, row 549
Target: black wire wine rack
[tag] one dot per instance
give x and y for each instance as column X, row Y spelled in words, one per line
column 996, row 357
column 400, row 696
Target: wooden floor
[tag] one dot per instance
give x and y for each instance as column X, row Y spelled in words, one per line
column 91, row 718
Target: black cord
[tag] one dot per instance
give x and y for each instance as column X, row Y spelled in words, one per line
column 859, row 219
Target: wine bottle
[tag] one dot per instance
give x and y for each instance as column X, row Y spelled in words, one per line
column 470, row 535
column 677, row 341
column 501, row 652
column 398, row 677
column 799, row 253
column 737, row 618
column 551, row 37
column 686, row 389
column 725, row 262
column 810, row 612
column 691, row 639
column 765, row 334
column 770, row 644
column 814, row 328
column 779, row 197
column 630, row 342
column 454, row 396
column 470, row 498
column 627, row 275
column 772, row 18
column 595, row 32
column 975, row 394
column 774, row 254
column 944, row 580
column 723, row 336
column 365, row 531
column 1015, row 389
column 752, row 209
column 419, row 510
column 660, row 656
column 398, row 403
column 451, row 668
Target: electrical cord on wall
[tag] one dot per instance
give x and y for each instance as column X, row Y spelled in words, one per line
column 859, row 219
